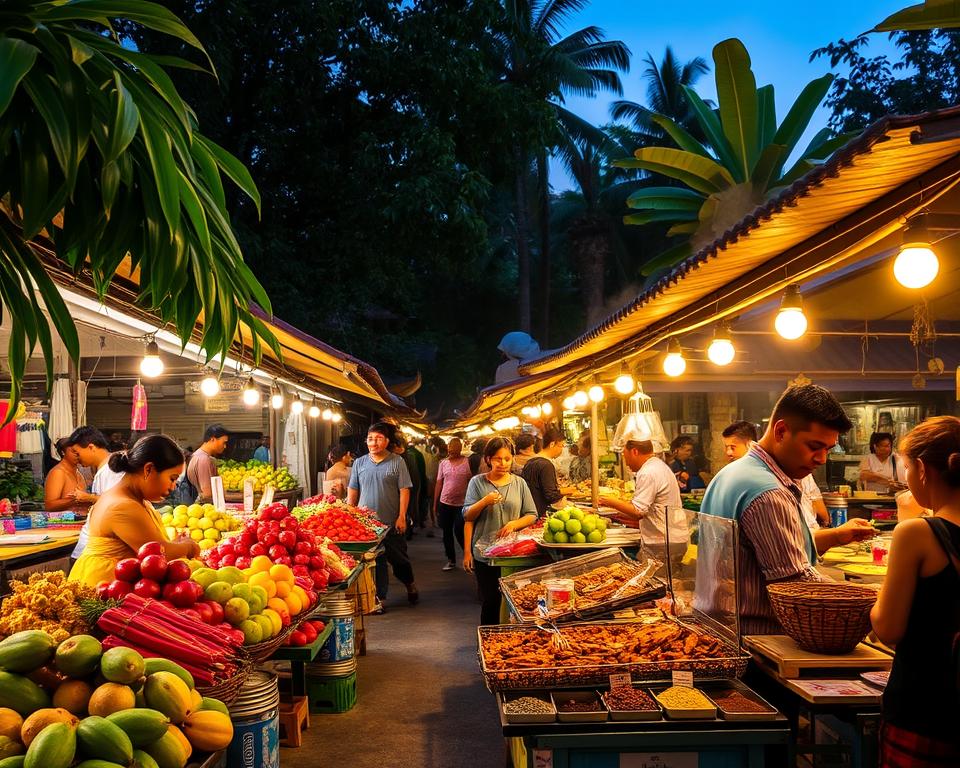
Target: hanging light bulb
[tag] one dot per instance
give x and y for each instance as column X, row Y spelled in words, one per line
column 276, row 399
column 569, row 404
column 580, row 398
column 251, row 393
column 337, row 417
column 916, row 265
column 624, row 383
column 327, row 414
column 210, row 385
column 151, row 366
column 721, row 351
column 595, row 393
column 297, row 405
column 534, row 412
column 546, row 409
column 791, row 323
column 673, row 363
column 314, row 411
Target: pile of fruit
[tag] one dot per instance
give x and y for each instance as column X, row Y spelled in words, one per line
column 276, row 534
column 306, row 633
column 151, row 576
column 234, row 473
column 204, row 523
column 46, row 601
column 571, row 526
column 329, row 517
column 72, row 702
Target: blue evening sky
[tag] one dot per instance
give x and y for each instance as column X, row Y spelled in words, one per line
column 779, row 38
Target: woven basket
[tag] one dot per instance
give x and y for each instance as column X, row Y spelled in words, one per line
column 823, row 617
column 227, row 690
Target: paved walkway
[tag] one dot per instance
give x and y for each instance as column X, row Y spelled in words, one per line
column 421, row 700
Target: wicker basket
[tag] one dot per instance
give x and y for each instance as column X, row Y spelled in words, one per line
column 823, row 617
column 227, row 690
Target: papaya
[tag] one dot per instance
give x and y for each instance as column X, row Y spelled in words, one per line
column 41, row 719
column 73, row 696
column 98, row 738
column 196, row 699
column 166, row 692
column 13, row 762
column 143, row 726
column 10, row 747
column 139, row 700
column 25, row 651
column 184, row 741
column 214, row 704
column 54, row 747
column 21, row 695
column 10, row 723
column 98, row 764
column 110, row 698
column 140, row 760
column 122, row 665
column 167, row 752
column 165, row 665
column 78, row 656
column 208, row 730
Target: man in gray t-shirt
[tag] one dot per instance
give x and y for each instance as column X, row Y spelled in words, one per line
column 380, row 481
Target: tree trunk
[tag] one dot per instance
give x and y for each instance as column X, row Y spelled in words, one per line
column 523, row 241
column 543, row 214
column 591, row 246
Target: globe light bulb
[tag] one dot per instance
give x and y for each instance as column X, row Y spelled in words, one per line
column 297, row 405
column 337, row 418
column 595, row 393
column 534, row 412
column 624, row 384
column 327, row 414
column 721, row 351
column 580, row 398
column 569, row 404
column 673, row 364
column 151, row 366
column 210, row 386
column 314, row 411
column 546, row 409
column 276, row 400
column 916, row 266
column 251, row 393
column 790, row 322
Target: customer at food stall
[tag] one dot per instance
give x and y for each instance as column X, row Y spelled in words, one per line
column 123, row 519
column 497, row 503
column 761, row 492
column 655, row 498
column 453, row 475
column 880, row 471
column 683, row 466
column 815, row 513
column 918, row 609
column 340, row 460
column 581, row 465
column 92, row 450
column 526, row 446
column 541, row 473
column 737, row 439
column 203, row 462
column 65, row 487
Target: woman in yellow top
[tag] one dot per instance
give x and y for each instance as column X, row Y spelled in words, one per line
column 123, row 519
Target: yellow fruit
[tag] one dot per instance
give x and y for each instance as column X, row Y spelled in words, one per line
column 212, row 534
column 294, row 606
column 110, row 698
column 220, row 525
column 281, row 572
column 261, row 563
column 284, row 588
column 193, row 523
column 196, row 700
column 207, row 544
column 184, row 741
column 41, row 719
column 10, row 723
column 194, row 510
column 196, row 534
column 274, row 620
column 167, row 518
column 73, row 696
column 302, row 594
column 213, row 515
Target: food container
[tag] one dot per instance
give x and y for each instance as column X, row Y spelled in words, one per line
column 653, row 713
column 527, row 717
column 758, row 709
column 837, row 507
column 698, row 710
column 579, row 698
column 560, row 595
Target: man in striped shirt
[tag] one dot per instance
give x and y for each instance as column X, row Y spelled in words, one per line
column 762, row 493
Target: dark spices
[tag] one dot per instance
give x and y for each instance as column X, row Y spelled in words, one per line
column 572, row 705
column 734, row 701
column 626, row 699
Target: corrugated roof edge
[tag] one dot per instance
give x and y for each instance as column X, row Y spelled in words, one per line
column 843, row 156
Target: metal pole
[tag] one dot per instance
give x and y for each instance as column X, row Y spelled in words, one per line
column 594, row 457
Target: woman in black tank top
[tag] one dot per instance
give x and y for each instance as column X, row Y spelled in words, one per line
column 918, row 610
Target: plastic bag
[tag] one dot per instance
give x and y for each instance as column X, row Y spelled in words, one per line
column 512, row 545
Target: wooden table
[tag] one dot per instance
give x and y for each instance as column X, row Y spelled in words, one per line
column 13, row 558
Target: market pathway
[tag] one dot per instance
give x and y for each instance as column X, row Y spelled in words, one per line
column 421, row 700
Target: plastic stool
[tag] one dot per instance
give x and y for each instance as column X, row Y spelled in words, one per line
column 332, row 694
column 294, row 717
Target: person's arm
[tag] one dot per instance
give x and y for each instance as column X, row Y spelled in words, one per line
column 353, row 486
column 820, row 510
column 468, row 546
column 625, row 508
column 53, row 498
column 132, row 524
column 527, row 513
column 436, row 495
column 774, row 530
column 401, row 524
column 850, row 531
column 891, row 612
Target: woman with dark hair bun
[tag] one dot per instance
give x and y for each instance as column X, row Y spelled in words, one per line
column 918, row 609
column 880, row 471
column 123, row 519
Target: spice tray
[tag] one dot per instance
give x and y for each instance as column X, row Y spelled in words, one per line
column 528, row 718
column 672, row 713
column 769, row 713
column 633, row 715
column 580, row 697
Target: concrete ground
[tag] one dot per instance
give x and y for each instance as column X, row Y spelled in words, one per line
column 421, row 700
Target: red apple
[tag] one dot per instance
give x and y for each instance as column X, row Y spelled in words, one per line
column 303, row 548
column 192, row 614
column 243, row 562
column 117, row 589
column 178, row 570
column 282, row 560
column 257, row 549
column 181, row 594
column 308, row 631
column 216, row 609
column 277, row 550
column 265, row 514
column 204, row 611
column 298, row 638
column 150, row 548
column 154, row 567
column 229, row 559
column 279, row 512
column 249, row 536
column 288, row 539
column 269, row 539
column 147, row 588
column 127, row 569
column 301, row 559
column 289, row 524
column 227, row 548
column 102, row 590
column 320, row 579
column 317, row 562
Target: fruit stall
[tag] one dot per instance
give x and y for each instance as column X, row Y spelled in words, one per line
column 261, row 474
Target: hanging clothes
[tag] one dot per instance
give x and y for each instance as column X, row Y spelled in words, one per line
column 61, row 414
column 138, row 411
column 295, row 448
column 8, row 434
column 30, row 429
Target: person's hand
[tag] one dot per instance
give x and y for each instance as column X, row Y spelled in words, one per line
column 855, row 530
column 606, row 501
column 494, row 497
column 627, row 520
column 401, row 524
column 507, row 529
column 468, row 561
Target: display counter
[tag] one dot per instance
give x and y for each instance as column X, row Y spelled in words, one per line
column 14, row 557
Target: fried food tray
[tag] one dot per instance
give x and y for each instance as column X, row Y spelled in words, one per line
column 724, row 662
column 517, row 587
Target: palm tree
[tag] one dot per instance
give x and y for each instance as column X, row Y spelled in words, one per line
column 535, row 59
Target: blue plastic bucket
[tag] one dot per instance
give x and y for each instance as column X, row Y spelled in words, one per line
column 256, row 727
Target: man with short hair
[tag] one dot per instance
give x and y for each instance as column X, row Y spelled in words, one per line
column 761, row 492
column 91, row 449
column 737, row 439
column 203, row 462
column 263, row 450
column 381, row 481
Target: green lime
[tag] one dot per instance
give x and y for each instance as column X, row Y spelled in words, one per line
column 573, row 526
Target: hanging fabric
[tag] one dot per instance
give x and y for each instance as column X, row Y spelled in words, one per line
column 295, row 448
column 61, row 414
column 8, row 433
column 138, row 411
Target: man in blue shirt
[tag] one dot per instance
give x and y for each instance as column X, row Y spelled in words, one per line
column 380, row 481
column 263, row 450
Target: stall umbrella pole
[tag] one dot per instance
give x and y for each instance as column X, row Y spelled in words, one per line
column 594, row 457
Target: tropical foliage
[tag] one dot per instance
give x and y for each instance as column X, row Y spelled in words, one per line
column 742, row 159
column 101, row 161
column 931, row 14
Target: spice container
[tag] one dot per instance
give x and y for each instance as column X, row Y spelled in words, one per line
column 560, row 595
column 742, row 704
column 682, row 703
column 579, row 707
column 628, row 703
column 528, row 709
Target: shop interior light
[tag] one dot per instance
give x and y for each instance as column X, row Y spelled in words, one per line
column 151, row 366
column 297, row 405
column 673, row 363
column 314, row 411
column 534, row 412
column 721, row 351
column 624, row 383
column 916, row 265
column 569, row 404
column 580, row 398
column 471, row 428
column 508, row 422
column 791, row 323
column 210, row 385
column 595, row 393
column 251, row 393
column 336, row 418
column 276, row 399
column 546, row 408
column 327, row 414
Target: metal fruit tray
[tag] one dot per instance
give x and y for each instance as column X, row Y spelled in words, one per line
column 624, row 595
column 583, row 665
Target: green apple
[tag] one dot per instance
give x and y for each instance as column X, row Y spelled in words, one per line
column 573, row 526
column 602, row 524
column 588, row 526
column 578, row 538
column 563, row 515
column 561, row 538
column 219, row 592
column 205, row 576
column 555, row 524
column 576, row 514
column 548, row 535
column 595, row 537
column 252, row 633
column 244, row 591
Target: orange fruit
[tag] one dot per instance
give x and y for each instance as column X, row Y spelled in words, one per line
column 280, row 572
